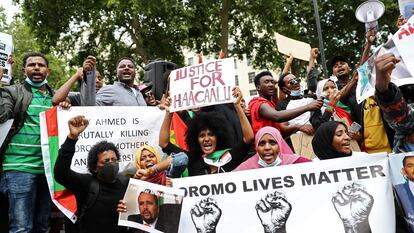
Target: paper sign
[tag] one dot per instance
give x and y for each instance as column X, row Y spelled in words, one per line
column 4, row 130
column 404, row 41
column 150, row 207
column 298, row 49
column 204, row 84
column 6, row 48
column 324, row 196
column 127, row 127
column 406, row 8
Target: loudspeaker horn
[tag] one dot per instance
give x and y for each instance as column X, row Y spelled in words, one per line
column 369, row 12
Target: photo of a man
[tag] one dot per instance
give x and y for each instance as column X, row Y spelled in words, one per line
column 405, row 191
column 148, row 209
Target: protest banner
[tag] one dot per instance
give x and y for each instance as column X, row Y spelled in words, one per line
column 298, row 49
column 402, row 174
column 4, row 129
column 406, row 8
column 400, row 75
column 127, row 127
column 352, row 194
column 200, row 85
column 6, row 49
column 151, row 207
column 404, row 41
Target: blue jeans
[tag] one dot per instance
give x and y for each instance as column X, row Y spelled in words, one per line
column 29, row 202
column 178, row 165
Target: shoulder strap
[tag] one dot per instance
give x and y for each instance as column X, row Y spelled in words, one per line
column 90, row 199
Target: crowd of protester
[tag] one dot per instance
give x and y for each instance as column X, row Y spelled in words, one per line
column 220, row 138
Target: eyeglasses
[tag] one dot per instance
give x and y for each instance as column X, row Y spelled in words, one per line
column 294, row 81
column 148, row 94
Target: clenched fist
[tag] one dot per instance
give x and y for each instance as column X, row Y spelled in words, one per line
column 205, row 215
column 353, row 205
column 273, row 211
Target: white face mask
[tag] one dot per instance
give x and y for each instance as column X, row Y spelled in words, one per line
column 296, row 93
column 277, row 161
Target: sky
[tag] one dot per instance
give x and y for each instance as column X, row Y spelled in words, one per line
column 11, row 9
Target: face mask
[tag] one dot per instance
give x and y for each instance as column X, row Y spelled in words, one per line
column 296, row 93
column 262, row 163
column 27, row 80
column 108, row 172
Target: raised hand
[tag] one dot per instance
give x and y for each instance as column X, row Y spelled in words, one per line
column 353, row 205
column 384, row 65
column 315, row 105
column 273, row 211
column 77, row 125
column 238, row 95
column 89, row 63
column 205, row 215
column 314, row 53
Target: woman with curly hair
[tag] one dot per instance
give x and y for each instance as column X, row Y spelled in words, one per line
column 208, row 138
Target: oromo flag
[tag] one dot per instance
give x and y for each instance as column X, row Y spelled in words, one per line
column 61, row 197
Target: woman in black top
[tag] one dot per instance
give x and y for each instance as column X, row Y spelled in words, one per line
column 209, row 141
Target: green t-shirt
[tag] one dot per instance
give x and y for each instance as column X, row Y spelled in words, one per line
column 24, row 152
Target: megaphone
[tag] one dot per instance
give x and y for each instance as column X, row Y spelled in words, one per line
column 369, row 12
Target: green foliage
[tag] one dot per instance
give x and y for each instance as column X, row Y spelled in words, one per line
column 147, row 30
column 24, row 42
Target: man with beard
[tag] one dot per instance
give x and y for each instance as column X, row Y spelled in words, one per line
column 23, row 173
column 262, row 109
column 122, row 92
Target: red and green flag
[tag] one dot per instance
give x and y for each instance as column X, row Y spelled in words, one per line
column 62, row 198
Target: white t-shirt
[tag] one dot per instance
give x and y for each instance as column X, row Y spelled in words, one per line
column 304, row 118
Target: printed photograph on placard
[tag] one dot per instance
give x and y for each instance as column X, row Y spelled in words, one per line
column 151, row 207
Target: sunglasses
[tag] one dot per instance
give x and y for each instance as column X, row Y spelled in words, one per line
column 148, row 94
column 293, row 81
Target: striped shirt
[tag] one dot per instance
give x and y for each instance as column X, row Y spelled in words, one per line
column 24, row 152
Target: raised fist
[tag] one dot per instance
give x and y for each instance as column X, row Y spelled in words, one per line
column 77, row 125
column 205, row 215
column 353, row 205
column 273, row 211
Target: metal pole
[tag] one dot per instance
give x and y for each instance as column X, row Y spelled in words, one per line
column 321, row 48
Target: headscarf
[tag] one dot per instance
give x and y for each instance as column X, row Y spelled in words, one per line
column 285, row 153
column 322, row 141
column 158, row 178
column 342, row 111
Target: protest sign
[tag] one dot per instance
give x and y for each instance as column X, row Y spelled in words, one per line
column 6, row 48
column 404, row 41
column 406, row 8
column 127, row 127
column 151, row 207
column 204, row 84
column 4, row 130
column 402, row 175
column 298, row 49
column 366, row 73
column 352, row 194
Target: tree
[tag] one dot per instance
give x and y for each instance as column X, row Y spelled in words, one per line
column 24, row 42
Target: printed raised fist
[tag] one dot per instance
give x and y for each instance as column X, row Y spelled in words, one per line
column 273, row 211
column 353, row 205
column 205, row 215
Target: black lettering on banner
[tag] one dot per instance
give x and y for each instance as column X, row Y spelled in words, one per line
column 80, row 162
column 109, row 121
column 347, row 174
column 135, row 121
column 208, row 190
column 289, row 182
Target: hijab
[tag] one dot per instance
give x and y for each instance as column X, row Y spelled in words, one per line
column 285, row 153
column 158, row 178
column 322, row 141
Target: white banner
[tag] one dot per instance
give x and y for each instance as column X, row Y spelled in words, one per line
column 351, row 194
column 404, row 41
column 127, row 127
column 6, row 48
column 204, row 84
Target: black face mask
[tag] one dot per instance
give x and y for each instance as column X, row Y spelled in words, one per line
column 108, row 172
